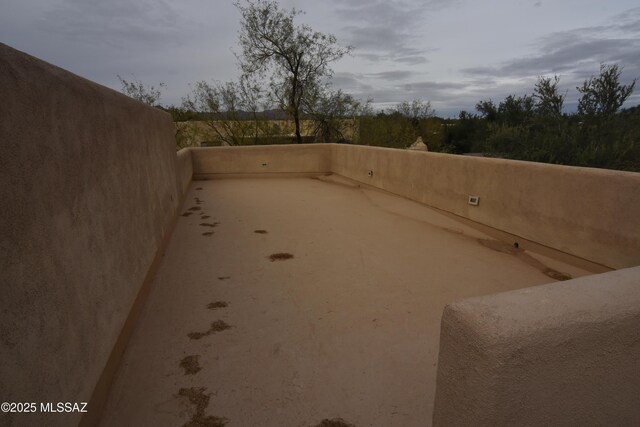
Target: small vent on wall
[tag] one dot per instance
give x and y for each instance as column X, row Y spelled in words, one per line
column 474, row 200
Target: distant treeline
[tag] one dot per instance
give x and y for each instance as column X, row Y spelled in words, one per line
column 611, row 142
column 185, row 115
column 530, row 127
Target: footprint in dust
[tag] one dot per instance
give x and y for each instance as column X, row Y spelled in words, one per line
column 209, row 224
column 260, row 231
column 208, row 233
column 217, row 326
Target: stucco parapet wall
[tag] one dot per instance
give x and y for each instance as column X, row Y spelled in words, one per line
column 89, row 193
column 589, row 213
column 274, row 159
column 593, row 214
column 559, row 354
column 184, row 170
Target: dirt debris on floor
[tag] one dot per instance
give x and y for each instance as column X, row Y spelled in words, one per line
column 522, row 255
column 190, row 364
column 334, row 422
column 280, row 256
column 217, row 304
column 200, row 400
column 286, row 357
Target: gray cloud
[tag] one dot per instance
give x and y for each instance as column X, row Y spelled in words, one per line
column 378, row 12
column 181, row 42
column 412, row 59
column 576, row 51
column 387, row 42
column 386, row 30
column 352, row 83
column 116, row 23
column 390, row 88
column 436, row 87
column 392, row 75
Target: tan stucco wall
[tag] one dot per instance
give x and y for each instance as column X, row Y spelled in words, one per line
column 590, row 213
column 273, row 159
column 184, row 171
column 560, row 354
column 88, row 188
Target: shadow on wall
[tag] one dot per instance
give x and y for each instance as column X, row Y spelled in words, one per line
column 90, row 188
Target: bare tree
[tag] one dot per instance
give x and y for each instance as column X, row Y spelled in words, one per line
column 231, row 110
column 135, row 89
column 415, row 110
column 296, row 58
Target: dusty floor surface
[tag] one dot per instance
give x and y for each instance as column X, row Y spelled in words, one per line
column 286, row 302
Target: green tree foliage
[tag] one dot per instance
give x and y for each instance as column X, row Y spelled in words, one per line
column 602, row 96
column 534, row 127
column 334, row 114
column 135, row 89
column 295, row 58
column 488, row 110
column 548, row 100
column 516, row 111
column 402, row 125
column 467, row 134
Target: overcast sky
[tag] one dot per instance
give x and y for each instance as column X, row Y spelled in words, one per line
column 450, row 52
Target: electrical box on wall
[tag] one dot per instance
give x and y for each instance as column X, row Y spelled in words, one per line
column 474, row 200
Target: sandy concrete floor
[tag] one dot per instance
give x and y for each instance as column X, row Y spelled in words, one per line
column 348, row 327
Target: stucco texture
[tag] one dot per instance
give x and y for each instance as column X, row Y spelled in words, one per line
column 219, row 162
column 589, row 213
column 88, row 190
column 560, row 354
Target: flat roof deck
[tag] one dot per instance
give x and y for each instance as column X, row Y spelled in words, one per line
column 348, row 327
